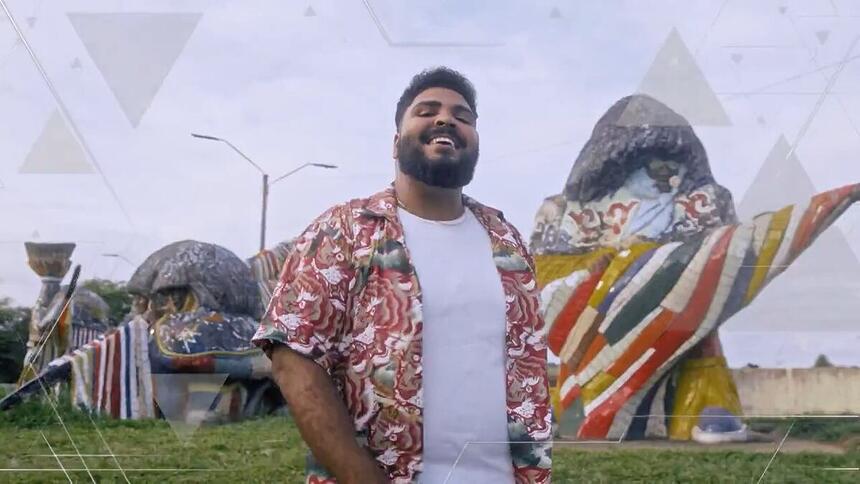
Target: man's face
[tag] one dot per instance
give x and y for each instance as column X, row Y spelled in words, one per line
column 438, row 142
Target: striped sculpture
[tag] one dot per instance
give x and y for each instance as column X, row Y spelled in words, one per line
column 622, row 322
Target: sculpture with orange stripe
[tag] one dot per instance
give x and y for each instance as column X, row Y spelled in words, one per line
column 640, row 259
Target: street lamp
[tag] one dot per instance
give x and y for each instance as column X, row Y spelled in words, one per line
column 120, row 257
column 266, row 183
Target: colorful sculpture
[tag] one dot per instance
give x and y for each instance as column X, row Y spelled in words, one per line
column 266, row 267
column 640, row 259
column 85, row 318
column 194, row 311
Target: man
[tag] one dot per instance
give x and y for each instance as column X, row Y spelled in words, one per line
column 404, row 332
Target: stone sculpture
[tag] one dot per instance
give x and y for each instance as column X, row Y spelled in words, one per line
column 640, row 259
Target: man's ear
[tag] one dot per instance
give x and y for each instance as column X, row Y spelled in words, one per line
column 394, row 145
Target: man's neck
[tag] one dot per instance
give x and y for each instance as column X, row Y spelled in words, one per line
column 428, row 202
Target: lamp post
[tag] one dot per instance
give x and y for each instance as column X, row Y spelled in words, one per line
column 120, row 257
column 266, row 183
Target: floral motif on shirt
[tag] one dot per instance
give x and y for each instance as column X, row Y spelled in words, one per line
column 349, row 299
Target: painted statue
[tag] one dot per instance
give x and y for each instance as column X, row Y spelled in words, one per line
column 195, row 307
column 266, row 267
column 640, row 259
column 85, row 317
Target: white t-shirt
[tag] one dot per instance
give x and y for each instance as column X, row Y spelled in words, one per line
column 463, row 351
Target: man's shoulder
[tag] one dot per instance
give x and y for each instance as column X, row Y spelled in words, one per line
column 381, row 204
column 483, row 209
column 359, row 210
column 494, row 220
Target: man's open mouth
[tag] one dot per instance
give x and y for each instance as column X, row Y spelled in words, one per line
column 442, row 140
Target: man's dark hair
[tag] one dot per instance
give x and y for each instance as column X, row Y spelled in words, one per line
column 436, row 77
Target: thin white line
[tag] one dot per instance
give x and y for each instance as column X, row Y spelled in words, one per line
column 587, row 442
column 393, row 43
column 830, row 83
column 508, row 441
column 761, row 89
column 815, row 61
column 96, row 427
column 761, row 46
column 58, row 459
column 797, row 416
column 710, row 28
column 95, row 455
column 65, row 429
column 828, row 16
column 116, row 461
column 48, row 336
column 457, row 460
column 547, row 442
column 777, row 452
column 66, row 114
column 840, row 468
column 111, row 469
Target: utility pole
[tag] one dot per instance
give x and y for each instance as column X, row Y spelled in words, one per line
column 266, row 184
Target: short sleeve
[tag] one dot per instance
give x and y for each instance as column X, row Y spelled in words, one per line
column 308, row 309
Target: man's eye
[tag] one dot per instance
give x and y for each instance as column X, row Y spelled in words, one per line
column 465, row 119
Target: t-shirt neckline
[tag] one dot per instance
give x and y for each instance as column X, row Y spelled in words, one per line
column 457, row 221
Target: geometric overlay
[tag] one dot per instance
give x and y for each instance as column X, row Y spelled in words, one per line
column 819, row 292
column 780, row 180
column 185, row 399
column 134, row 52
column 56, row 151
column 675, row 79
column 408, row 43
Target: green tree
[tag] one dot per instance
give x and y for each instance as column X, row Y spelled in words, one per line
column 14, row 323
column 114, row 294
column 822, row 362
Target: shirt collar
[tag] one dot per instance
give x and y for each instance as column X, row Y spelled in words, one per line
column 384, row 205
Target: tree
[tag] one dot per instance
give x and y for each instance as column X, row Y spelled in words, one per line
column 114, row 294
column 822, row 362
column 14, row 324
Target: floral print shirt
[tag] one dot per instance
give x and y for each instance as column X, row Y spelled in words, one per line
column 349, row 298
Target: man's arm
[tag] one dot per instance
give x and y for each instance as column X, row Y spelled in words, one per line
column 322, row 418
column 301, row 333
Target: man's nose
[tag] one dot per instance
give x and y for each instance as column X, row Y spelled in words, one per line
column 444, row 120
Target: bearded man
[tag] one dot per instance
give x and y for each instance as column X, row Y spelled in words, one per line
column 404, row 332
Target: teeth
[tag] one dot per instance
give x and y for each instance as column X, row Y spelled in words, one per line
column 443, row 139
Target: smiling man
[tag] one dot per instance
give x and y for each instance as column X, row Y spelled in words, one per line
column 405, row 333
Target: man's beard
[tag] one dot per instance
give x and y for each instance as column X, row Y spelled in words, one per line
column 449, row 171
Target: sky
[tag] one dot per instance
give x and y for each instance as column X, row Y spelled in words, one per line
column 95, row 122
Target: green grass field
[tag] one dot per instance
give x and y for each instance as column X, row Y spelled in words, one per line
column 270, row 450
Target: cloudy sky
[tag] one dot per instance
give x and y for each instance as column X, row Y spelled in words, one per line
column 95, row 124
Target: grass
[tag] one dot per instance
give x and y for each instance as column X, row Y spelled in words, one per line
column 270, row 450
column 817, row 429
